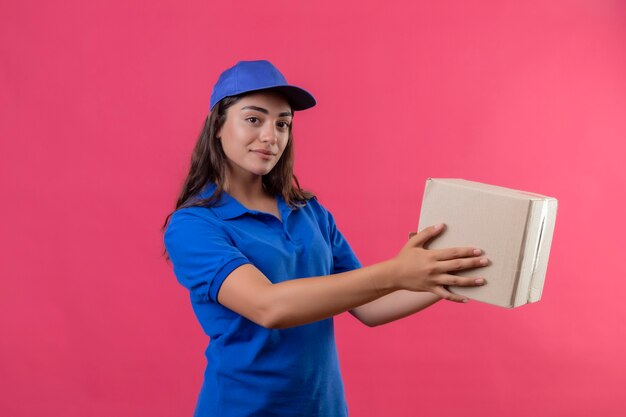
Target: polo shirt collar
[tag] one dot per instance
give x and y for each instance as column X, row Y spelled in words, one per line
column 229, row 208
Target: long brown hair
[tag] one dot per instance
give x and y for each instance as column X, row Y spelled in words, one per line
column 208, row 164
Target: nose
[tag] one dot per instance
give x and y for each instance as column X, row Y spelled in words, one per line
column 269, row 134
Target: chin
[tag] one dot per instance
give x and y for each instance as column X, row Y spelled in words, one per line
column 261, row 171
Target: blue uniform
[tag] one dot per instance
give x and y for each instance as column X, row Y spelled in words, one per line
column 252, row 370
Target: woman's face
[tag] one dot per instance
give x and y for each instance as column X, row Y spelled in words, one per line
column 255, row 133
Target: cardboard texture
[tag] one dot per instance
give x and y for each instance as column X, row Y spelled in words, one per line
column 514, row 229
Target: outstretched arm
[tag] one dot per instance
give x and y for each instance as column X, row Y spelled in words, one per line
column 393, row 306
column 295, row 302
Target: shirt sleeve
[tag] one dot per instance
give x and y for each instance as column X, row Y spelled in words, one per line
column 344, row 258
column 202, row 253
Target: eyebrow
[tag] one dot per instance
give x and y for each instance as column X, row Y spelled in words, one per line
column 262, row 110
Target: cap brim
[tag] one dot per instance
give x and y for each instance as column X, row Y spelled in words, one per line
column 298, row 98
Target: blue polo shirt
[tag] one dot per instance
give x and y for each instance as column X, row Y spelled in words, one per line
column 252, row 370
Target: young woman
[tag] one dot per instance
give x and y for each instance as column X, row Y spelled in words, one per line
column 267, row 267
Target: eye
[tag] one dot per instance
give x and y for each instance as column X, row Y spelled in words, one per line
column 284, row 125
column 252, row 119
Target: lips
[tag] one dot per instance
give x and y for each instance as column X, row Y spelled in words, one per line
column 264, row 153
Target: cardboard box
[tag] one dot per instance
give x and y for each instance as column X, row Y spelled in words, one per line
column 513, row 228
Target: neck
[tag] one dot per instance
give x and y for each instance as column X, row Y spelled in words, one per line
column 244, row 186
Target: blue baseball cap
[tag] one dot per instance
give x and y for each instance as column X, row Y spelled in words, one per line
column 248, row 76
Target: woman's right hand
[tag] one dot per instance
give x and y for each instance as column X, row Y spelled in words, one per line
column 420, row 269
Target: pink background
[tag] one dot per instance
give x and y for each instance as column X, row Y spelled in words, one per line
column 102, row 103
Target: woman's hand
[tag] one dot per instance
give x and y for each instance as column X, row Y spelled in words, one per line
column 419, row 269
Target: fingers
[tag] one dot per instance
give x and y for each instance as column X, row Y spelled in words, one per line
column 453, row 253
column 452, row 280
column 457, row 281
column 425, row 235
column 447, row 295
column 460, row 264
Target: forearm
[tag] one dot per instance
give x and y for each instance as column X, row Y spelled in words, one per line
column 393, row 306
column 306, row 300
